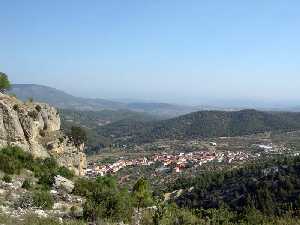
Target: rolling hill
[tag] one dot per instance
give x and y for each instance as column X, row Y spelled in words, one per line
column 204, row 124
column 92, row 120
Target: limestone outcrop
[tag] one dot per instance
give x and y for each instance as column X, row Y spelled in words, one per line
column 35, row 127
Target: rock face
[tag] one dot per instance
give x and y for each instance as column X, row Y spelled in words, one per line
column 35, row 127
column 64, row 183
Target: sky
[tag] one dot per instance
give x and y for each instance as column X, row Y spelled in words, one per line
column 191, row 51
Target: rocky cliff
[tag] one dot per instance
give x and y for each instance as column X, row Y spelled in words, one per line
column 35, row 127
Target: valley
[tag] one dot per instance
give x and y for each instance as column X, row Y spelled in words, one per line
column 201, row 164
column 163, row 161
column 150, row 112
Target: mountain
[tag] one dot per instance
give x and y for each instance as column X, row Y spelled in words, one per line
column 204, row 124
column 61, row 99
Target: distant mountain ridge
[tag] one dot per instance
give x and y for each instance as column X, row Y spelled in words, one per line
column 204, row 124
column 63, row 100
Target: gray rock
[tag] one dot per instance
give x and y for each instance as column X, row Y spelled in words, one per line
column 63, row 183
column 35, row 127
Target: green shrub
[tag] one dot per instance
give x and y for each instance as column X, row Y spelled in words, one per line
column 4, row 83
column 7, row 178
column 26, row 184
column 16, row 107
column 105, row 200
column 38, row 108
column 46, row 180
column 78, row 135
column 13, row 159
column 65, row 172
column 50, row 163
column 83, row 187
column 9, row 165
column 43, row 199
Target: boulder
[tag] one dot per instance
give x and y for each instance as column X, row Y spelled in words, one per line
column 62, row 183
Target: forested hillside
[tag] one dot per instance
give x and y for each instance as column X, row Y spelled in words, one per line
column 91, row 121
column 271, row 187
column 204, row 124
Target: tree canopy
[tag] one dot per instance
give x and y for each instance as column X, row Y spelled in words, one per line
column 141, row 193
column 4, row 82
column 78, row 135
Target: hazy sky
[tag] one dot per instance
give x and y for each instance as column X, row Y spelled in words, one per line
column 164, row 50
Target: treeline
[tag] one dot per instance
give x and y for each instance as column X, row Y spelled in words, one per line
column 204, row 124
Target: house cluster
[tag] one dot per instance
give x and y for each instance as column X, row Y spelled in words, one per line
column 96, row 169
column 273, row 149
column 176, row 162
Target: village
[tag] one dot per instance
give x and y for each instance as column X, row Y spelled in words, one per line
column 177, row 162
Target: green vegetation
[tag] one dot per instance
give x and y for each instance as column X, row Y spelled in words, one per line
column 27, row 184
column 35, row 220
column 65, row 172
column 43, row 199
column 203, row 124
column 272, row 188
column 92, row 121
column 4, row 82
column 105, row 200
column 259, row 193
column 141, row 194
column 14, row 159
column 7, row 179
column 77, row 135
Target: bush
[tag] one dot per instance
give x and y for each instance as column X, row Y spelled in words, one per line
column 43, row 199
column 83, row 187
column 78, row 135
column 9, row 165
column 46, row 180
column 7, row 178
column 65, row 172
column 26, row 184
column 4, row 82
column 16, row 107
column 105, row 200
column 38, row 108
column 13, row 159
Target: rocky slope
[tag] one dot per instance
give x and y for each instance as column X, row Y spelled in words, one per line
column 35, row 127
